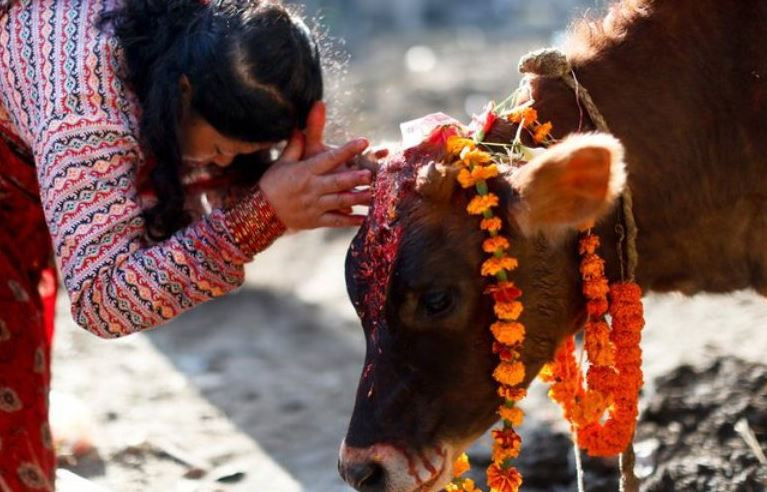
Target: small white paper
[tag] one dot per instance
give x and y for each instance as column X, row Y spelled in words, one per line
column 415, row 131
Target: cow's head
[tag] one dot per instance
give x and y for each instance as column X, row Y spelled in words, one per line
column 426, row 390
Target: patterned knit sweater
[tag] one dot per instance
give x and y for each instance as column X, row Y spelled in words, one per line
column 61, row 95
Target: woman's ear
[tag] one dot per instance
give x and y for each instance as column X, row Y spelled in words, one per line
column 569, row 185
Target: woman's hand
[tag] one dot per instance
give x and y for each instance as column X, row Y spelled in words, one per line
column 309, row 191
column 315, row 142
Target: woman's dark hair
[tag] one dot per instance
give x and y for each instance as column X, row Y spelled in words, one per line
column 254, row 69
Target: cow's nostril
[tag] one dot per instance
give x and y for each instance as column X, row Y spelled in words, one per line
column 367, row 477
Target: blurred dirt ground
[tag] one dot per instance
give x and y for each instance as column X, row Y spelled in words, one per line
column 254, row 391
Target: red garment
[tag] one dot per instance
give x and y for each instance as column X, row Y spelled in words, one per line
column 27, row 297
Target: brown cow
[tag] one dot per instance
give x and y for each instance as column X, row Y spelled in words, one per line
column 683, row 85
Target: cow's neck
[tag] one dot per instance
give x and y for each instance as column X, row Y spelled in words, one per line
column 688, row 98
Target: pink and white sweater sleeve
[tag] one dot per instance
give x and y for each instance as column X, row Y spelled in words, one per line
column 61, row 93
column 117, row 282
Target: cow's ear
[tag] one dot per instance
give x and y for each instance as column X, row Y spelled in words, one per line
column 570, row 184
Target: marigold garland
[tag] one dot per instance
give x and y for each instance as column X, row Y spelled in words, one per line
column 477, row 166
column 614, row 377
column 481, row 204
column 493, row 224
column 495, row 265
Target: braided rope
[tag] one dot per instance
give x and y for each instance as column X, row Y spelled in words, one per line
column 552, row 63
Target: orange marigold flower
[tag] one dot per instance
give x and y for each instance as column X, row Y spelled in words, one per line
column 595, row 289
column 542, row 132
column 510, row 373
column 507, row 438
column 588, row 244
column 628, row 355
column 598, row 345
column 597, row 308
column 626, row 292
column 476, row 158
column 468, row 178
column 622, row 338
column 526, row 116
column 603, row 379
column 494, row 265
column 492, row 224
column 465, row 485
column 591, row 406
column 627, row 317
column 509, row 333
column 482, row 203
column 512, row 414
column 608, row 439
column 547, row 373
column 465, row 179
column 512, row 394
column 461, row 465
column 493, row 244
column 456, row 144
column 501, row 454
column 592, row 267
column 508, row 311
column 503, row 480
column 469, row 486
column 483, row 173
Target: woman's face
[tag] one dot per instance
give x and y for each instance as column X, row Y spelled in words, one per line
column 203, row 145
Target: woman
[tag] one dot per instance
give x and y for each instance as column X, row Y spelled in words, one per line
column 107, row 109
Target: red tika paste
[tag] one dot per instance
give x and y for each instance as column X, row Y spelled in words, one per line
column 374, row 250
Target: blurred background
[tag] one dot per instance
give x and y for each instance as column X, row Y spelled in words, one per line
column 254, row 391
column 408, row 58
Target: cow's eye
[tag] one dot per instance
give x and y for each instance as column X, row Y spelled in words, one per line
column 436, row 302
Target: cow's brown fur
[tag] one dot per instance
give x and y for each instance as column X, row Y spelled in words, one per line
column 683, row 85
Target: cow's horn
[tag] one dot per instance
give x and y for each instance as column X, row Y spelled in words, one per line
column 436, row 181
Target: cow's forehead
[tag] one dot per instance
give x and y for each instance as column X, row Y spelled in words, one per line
column 375, row 249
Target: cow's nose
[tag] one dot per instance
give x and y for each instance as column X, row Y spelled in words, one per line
column 368, row 476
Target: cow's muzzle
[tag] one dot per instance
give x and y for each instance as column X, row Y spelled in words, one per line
column 389, row 468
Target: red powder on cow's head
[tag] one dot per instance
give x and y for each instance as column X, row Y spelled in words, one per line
column 375, row 249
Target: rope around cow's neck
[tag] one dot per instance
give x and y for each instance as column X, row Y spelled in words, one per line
column 552, row 63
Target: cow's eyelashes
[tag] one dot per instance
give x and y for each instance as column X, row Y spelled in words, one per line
column 436, row 302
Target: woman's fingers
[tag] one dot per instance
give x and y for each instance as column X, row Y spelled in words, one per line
column 327, row 161
column 340, row 201
column 335, row 219
column 343, row 181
